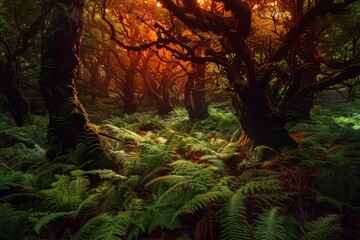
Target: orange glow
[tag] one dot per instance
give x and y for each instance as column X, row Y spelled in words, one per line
column 273, row 4
column 158, row 4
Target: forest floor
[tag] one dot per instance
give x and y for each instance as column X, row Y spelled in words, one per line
column 176, row 179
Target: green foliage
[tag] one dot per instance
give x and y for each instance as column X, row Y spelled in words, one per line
column 233, row 222
column 42, row 219
column 10, row 179
column 270, row 226
column 262, row 185
column 175, row 170
column 105, row 226
column 340, row 189
column 67, row 192
column 325, row 227
column 13, row 222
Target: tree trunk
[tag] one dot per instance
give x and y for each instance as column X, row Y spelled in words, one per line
column 130, row 105
column 163, row 103
column 260, row 124
column 194, row 99
column 69, row 128
column 19, row 107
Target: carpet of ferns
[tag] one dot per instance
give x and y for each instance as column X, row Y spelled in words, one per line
column 174, row 179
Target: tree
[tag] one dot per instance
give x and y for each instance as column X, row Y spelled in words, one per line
column 262, row 119
column 194, row 94
column 268, row 90
column 19, row 24
column 69, row 128
column 159, row 76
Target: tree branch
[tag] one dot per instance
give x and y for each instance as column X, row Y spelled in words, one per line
column 347, row 73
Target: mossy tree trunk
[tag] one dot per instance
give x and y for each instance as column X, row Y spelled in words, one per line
column 194, row 96
column 69, row 129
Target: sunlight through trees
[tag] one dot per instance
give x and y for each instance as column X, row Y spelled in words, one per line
column 179, row 119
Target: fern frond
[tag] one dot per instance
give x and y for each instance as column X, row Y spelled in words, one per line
column 233, row 221
column 9, row 214
column 322, row 228
column 175, row 196
column 263, row 185
column 200, row 201
column 67, row 192
column 104, row 174
column 50, row 217
column 105, row 226
column 90, row 226
column 10, row 179
column 124, row 133
column 270, row 226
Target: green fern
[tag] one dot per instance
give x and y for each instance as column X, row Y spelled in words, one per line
column 67, row 192
column 11, row 179
column 9, row 215
column 123, row 133
column 322, row 228
column 270, row 226
column 233, row 220
column 102, row 173
column 48, row 218
column 200, row 201
column 340, row 189
column 262, row 185
column 105, row 226
column 13, row 223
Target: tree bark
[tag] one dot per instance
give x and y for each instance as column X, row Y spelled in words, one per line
column 260, row 124
column 69, row 128
column 194, row 95
column 163, row 103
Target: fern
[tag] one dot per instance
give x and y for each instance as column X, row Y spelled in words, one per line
column 200, row 201
column 262, row 185
column 11, row 179
column 233, row 220
column 102, row 173
column 270, row 226
column 19, row 156
column 9, row 215
column 124, row 133
column 67, row 192
column 13, row 223
column 105, row 226
column 48, row 218
column 322, row 228
column 340, row 189
column 153, row 217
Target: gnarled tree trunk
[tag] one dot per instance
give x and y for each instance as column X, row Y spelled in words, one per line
column 260, row 124
column 194, row 99
column 69, row 127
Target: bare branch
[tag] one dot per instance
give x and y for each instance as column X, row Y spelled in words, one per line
column 347, row 73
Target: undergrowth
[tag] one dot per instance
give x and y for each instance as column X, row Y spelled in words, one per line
column 177, row 179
